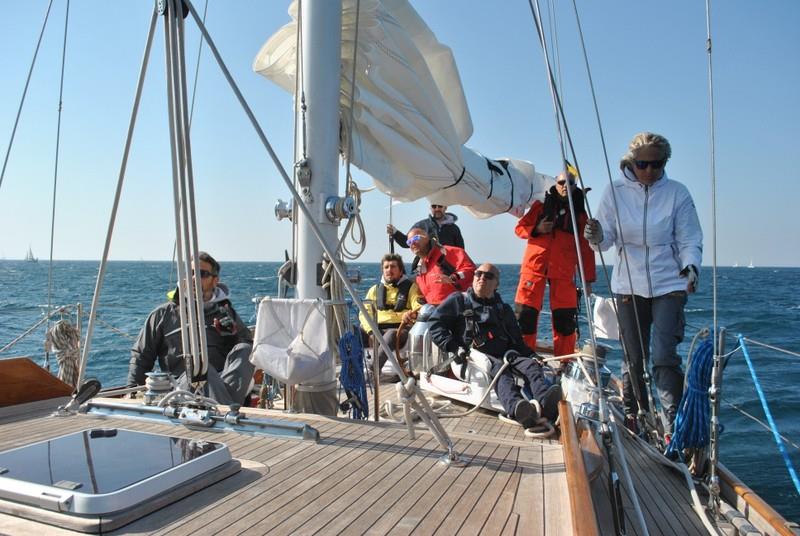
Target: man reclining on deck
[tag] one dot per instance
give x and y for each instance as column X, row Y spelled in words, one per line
column 227, row 338
column 479, row 319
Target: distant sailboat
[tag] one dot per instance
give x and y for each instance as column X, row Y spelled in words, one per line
column 29, row 256
column 735, row 265
column 751, row 264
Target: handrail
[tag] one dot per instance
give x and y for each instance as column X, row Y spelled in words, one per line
column 767, row 513
column 580, row 495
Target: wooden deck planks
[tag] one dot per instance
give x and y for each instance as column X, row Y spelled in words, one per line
column 358, row 479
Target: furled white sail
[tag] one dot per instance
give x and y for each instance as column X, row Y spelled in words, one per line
column 411, row 118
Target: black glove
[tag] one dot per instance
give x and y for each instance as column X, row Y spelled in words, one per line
column 461, row 356
column 511, row 356
column 692, row 276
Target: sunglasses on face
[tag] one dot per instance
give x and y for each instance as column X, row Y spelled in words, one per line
column 488, row 276
column 205, row 273
column 413, row 240
column 562, row 182
column 653, row 164
column 437, row 206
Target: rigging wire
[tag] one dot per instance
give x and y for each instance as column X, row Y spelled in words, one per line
column 24, row 93
column 55, row 176
column 650, row 419
column 603, row 402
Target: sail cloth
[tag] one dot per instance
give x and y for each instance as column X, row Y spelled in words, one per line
column 291, row 342
column 410, row 115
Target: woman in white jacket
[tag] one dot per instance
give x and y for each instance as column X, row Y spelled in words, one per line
column 659, row 246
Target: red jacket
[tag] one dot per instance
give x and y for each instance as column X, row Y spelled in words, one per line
column 433, row 276
column 553, row 255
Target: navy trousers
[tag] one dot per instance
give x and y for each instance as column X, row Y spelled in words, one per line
column 506, row 387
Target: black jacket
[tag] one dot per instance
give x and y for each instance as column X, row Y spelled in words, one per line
column 160, row 338
column 448, row 234
column 496, row 330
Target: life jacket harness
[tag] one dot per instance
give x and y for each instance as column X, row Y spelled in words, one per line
column 403, row 290
column 474, row 336
column 447, row 268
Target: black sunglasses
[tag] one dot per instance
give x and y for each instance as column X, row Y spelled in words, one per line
column 562, row 182
column 654, row 164
column 437, row 206
column 488, row 276
column 206, row 273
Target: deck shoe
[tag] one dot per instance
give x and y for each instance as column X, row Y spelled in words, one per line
column 525, row 414
column 550, row 402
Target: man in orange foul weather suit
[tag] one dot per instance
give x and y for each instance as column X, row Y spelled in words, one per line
column 550, row 257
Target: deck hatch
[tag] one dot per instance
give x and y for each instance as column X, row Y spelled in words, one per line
column 101, row 471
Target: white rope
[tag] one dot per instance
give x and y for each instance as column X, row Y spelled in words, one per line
column 63, row 340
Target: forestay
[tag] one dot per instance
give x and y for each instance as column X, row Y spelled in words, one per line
column 410, row 115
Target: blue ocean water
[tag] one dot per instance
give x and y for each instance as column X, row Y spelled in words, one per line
column 761, row 303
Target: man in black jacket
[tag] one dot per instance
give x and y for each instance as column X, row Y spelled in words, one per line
column 227, row 338
column 479, row 319
column 440, row 225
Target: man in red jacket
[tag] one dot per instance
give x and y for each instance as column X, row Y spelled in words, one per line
column 551, row 257
column 442, row 270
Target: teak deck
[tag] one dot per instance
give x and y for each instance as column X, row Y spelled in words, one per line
column 370, row 478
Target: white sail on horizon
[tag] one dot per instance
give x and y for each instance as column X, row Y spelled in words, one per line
column 411, row 119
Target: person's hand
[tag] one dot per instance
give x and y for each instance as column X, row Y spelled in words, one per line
column 409, row 317
column 544, row 227
column 390, row 229
column 444, row 280
column 461, row 356
column 692, row 278
column 593, row 232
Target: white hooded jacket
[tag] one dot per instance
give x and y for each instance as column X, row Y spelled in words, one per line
column 661, row 231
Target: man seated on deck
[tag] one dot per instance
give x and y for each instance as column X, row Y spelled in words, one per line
column 479, row 319
column 442, row 270
column 227, row 338
column 396, row 300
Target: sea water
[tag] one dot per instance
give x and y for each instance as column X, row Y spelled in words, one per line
column 761, row 303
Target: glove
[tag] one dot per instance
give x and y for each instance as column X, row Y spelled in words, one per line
column 593, row 232
column 461, row 356
column 692, row 278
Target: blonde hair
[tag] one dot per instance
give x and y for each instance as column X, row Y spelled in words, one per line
column 645, row 139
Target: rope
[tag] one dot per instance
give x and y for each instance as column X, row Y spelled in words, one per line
column 351, row 377
column 24, row 93
column 776, row 435
column 692, row 423
column 64, row 340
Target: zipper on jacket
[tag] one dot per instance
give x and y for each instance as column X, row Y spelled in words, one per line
column 646, row 246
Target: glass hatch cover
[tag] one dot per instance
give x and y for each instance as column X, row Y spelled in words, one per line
column 101, row 471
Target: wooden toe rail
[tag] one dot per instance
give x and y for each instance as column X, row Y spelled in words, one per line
column 584, row 519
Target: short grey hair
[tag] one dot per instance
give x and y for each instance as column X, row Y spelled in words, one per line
column 645, row 139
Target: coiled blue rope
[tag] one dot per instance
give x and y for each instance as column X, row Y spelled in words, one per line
column 351, row 376
column 692, row 421
column 768, row 413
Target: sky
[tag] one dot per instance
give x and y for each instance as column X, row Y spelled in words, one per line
column 648, row 62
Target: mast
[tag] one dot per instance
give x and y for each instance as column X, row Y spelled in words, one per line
column 317, row 115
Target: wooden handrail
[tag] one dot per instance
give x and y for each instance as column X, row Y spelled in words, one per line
column 584, row 518
column 752, row 499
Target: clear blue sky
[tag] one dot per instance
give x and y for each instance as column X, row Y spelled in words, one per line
column 648, row 61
